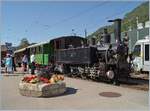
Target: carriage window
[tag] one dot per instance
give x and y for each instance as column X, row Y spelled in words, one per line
column 35, row 49
column 31, row 50
column 147, row 52
column 137, row 50
column 39, row 48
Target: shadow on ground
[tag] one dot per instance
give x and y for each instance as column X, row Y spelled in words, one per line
column 69, row 91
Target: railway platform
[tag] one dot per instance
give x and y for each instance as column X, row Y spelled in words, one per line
column 80, row 95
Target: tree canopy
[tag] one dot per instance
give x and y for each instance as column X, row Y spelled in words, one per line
column 23, row 43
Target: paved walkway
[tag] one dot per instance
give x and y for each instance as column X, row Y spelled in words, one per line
column 80, row 94
column 18, row 72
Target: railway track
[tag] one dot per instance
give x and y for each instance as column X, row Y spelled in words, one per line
column 134, row 83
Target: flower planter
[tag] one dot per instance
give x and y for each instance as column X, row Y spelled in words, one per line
column 42, row 89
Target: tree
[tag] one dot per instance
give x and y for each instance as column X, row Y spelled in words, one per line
column 24, row 43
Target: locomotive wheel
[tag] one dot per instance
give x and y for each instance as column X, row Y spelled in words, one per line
column 83, row 76
column 93, row 77
column 110, row 74
column 74, row 75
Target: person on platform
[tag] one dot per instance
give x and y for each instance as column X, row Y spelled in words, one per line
column 13, row 63
column 32, row 60
column 8, row 64
column 25, row 62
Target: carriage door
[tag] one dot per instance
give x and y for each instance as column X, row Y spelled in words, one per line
column 146, row 66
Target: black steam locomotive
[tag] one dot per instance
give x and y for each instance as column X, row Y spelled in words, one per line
column 105, row 60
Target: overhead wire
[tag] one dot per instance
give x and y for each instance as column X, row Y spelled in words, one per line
column 108, row 17
column 81, row 14
column 76, row 15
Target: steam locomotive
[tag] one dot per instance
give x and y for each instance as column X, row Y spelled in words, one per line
column 74, row 56
column 93, row 61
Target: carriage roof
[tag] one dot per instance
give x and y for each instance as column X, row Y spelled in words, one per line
column 20, row 50
column 66, row 37
column 38, row 44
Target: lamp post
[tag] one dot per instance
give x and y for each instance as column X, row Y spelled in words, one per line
column 85, row 32
column 137, row 22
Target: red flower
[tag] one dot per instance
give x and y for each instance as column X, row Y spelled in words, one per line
column 45, row 80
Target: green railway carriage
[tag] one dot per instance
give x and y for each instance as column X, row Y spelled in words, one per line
column 43, row 52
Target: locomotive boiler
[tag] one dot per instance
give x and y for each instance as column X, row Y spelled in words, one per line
column 105, row 60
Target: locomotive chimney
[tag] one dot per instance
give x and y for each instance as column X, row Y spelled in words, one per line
column 117, row 29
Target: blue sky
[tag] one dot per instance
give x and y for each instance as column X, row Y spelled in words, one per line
column 41, row 21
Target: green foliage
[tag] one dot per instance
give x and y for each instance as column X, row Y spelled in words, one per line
column 129, row 20
column 142, row 12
